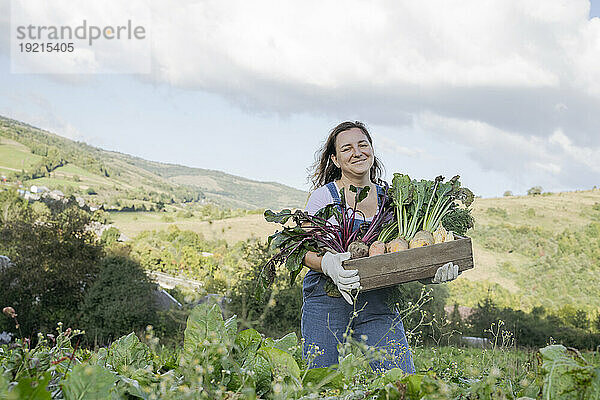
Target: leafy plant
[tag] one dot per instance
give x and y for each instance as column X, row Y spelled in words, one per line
column 425, row 204
column 218, row 362
column 316, row 232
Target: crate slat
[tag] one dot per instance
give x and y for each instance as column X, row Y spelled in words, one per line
column 410, row 265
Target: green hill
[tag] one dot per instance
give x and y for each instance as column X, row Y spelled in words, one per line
column 535, row 251
column 529, row 250
column 123, row 182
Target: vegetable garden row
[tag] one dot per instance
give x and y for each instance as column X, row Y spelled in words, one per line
column 218, row 362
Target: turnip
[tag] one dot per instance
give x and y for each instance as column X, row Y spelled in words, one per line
column 358, row 249
column 395, row 245
column 439, row 235
column 449, row 236
column 421, row 238
column 376, row 248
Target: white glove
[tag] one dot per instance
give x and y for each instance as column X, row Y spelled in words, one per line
column 446, row 273
column 345, row 280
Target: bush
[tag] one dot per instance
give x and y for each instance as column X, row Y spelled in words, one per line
column 508, row 193
column 110, row 236
column 278, row 310
column 55, row 261
column 497, row 212
column 120, row 300
column 531, row 329
column 535, row 190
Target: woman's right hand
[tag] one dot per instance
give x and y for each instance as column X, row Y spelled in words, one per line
column 345, row 280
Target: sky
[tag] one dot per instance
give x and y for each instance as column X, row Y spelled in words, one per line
column 504, row 93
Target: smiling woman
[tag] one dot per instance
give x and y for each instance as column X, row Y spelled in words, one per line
column 347, row 158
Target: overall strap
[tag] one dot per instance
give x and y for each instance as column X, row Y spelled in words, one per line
column 379, row 194
column 334, row 193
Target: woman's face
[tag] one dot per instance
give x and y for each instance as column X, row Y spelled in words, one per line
column 354, row 153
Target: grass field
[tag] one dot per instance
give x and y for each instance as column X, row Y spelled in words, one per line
column 231, row 229
column 15, row 157
column 86, row 177
column 52, row 183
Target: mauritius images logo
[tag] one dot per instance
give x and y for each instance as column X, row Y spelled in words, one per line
column 85, row 31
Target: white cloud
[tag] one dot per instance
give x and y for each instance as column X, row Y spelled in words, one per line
column 505, row 63
column 585, row 155
column 554, row 161
column 387, row 145
column 516, row 81
column 42, row 114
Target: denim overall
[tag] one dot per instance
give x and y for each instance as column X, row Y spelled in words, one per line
column 325, row 319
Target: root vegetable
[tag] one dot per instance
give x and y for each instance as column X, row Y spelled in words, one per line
column 439, row 236
column 377, row 247
column 449, row 236
column 421, row 238
column 358, row 249
column 395, row 245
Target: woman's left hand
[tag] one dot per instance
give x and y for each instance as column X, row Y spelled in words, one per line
column 446, row 273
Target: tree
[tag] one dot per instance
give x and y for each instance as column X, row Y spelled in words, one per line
column 534, row 191
column 120, row 300
column 55, row 261
column 278, row 310
column 508, row 193
column 456, row 322
column 485, row 314
column 576, row 318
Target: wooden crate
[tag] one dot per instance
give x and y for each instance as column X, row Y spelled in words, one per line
column 410, row 265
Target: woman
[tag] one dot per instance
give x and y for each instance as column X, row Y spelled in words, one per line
column 347, row 158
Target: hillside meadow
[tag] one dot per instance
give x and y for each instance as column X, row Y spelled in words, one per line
column 119, row 181
column 529, row 251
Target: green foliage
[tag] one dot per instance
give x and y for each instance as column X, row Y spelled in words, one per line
column 120, row 299
column 30, row 388
column 574, row 317
column 110, row 236
column 534, row 191
column 422, row 309
column 424, row 204
column 218, row 362
column 179, row 252
column 278, row 310
column 128, row 354
column 557, row 268
column 497, row 212
column 567, row 375
column 459, row 221
column 92, row 382
column 56, row 260
column 529, row 329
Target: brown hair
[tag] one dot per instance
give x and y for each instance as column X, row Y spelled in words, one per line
column 324, row 170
